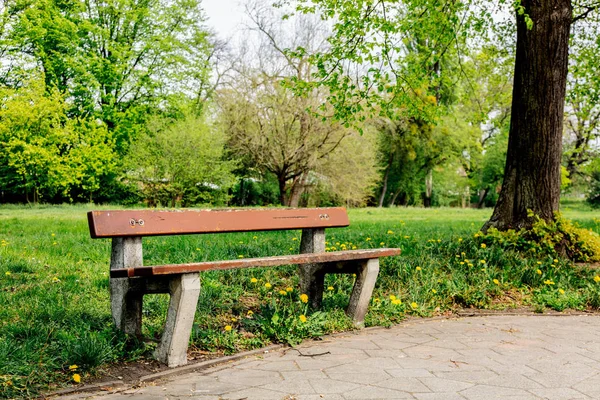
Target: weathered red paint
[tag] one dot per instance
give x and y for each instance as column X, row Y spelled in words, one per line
column 106, row 224
column 307, row 258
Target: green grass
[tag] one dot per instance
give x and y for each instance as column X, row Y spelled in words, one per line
column 55, row 305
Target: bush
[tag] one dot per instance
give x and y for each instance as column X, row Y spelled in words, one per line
column 594, row 195
column 560, row 237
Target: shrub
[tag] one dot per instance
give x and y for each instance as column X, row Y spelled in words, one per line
column 559, row 237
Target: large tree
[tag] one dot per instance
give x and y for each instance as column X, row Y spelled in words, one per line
column 372, row 34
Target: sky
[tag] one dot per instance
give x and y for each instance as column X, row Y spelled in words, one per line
column 224, row 16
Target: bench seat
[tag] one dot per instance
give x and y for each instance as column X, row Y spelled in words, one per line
column 294, row 259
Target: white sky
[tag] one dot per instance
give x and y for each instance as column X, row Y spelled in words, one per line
column 224, row 16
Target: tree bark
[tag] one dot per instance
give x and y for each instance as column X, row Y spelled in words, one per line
column 385, row 180
column 532, row 172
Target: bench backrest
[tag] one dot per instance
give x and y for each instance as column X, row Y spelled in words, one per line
column 128, row 223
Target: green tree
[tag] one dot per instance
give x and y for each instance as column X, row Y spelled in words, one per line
column 181, row 162
column 372, row 35
column 43, row 153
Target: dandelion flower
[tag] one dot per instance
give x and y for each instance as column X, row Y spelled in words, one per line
column 73, row 367
column 597, row 279
column 549, row 282
column 414, row 305
column 294, row 238
column 376, row 300
column 254, row 237
column 390, row 232
column 241, row 256
column 538, row 271
column 482, row 261
column 392, row 297
column 302, row 318
column 7, row 273
column 253, row 280
column 539, row 263
column 330, row 288
column 418, row 268
column 483, row 245
column 268, row 285
column 289, row 289
column 368, row 239
column 496, row 281
column 382, row 244
column 282, row 292
column 55, row 279
column 433, row 291
column 250, row 313
column 304, row 298
column 397, row 302
column 76, row 378
column 228, row 328
column 460, row 240
column 561, row 291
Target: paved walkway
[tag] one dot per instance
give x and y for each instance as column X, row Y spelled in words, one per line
column 499, row 357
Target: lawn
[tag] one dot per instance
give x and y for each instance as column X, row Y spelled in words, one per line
column 55, row 321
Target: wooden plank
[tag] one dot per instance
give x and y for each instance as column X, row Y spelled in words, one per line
column 104, row 224
column 306, row 258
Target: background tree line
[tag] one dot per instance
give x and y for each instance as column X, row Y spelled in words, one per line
column 131, row 101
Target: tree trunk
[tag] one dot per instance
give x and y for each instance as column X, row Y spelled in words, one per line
column 482, row 195
column 281, row 179
column 532, row 172
column 428, row 188
column 296, row 191
column 385, row 180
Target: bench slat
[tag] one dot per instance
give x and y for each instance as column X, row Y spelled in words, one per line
column 104, row 224
column 306, row 258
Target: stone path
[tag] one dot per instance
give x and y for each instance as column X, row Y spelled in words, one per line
column 498, row 357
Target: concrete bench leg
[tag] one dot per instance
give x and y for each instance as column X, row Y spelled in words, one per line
column 363, row 289
column 126, row 306
column 184, row 290
column 312, row 283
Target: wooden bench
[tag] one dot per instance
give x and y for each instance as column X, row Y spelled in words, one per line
column 131, row 280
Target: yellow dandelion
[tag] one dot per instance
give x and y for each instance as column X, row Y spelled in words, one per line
column 250, row 313
column 483, row 245
column 73, row 367
column 406, row 237
column 76, row 378
column 469, row 264
column 228, row 328
column 549, row 282
column 368, row 239
column 268, row 285
column 376, row 300
column 390, row 232
column 294, row 238
column 330, row 288
column 414, row 305
column 282, row 292
column 418, row 268
column 392, row 297
column 304, row 298
column 397, row 302
column 482, row 261
column 561, row 291
column 460, row 240
column 354, row 247
column 254, row 237
column 289, row 289
column 52, row 235
column 462, row 263
column 241, row 256
column 7, row 273
column 253, row 280
column 476, row 235
column 55, row 279
column 302, row 318
column 382, row 244
column 539, row 263
column 555, row 261
column 433, row 291
column 538, row 271
column 496, row 281
column 597, row 279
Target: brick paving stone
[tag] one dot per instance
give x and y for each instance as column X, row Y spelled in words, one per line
column 478, row 358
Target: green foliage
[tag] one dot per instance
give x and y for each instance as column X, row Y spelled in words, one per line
column 559, row 237
column 45, row 153
column 181, row 162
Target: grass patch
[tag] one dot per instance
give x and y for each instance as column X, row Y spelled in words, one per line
column 56, row 310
